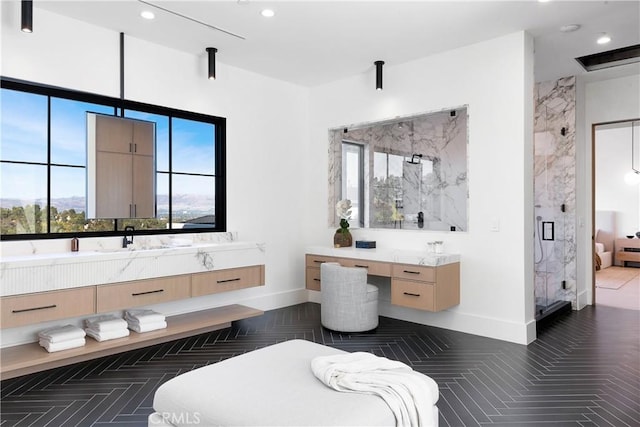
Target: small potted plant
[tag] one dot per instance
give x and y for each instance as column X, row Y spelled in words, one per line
column 343, row 238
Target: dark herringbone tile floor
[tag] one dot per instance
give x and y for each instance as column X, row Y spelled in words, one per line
column 584, row 370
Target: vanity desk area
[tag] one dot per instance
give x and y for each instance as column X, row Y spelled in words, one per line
column 419, row 280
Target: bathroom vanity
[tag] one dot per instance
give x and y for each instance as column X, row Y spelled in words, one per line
column 58, row 286
column 429, row 282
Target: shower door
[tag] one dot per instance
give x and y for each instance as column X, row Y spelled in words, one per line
column 551, row 227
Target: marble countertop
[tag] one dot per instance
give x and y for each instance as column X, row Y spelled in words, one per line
column 400, row 256
column 40, row 272
column 105, row 254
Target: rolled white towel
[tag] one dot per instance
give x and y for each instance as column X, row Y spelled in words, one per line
column 63, row 345
column 108, row 335
column 146, row 327
column 144, row 316
column 105, row 323
column 62, row 333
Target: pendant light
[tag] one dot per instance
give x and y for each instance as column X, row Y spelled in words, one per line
column 379, row 65
column 27, row 16
column 212, row 62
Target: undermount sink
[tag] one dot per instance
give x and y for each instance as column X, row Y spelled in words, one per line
column 116, row 250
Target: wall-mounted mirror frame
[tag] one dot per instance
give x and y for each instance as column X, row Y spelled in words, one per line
column 403, row 173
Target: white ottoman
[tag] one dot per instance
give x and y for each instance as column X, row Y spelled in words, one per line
column 273, row 386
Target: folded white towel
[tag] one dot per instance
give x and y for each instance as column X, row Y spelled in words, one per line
column 411, row 396
column 62, row 333
column 108, row 335
column 105, row 323
column 63, row 345
column 144, row 316
column 146, row 327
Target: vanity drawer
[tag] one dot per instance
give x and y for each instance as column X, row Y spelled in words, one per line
column 374, row 268
column 412, row 294
column 230, row 279
column 414, row 272
column 316, row 260
column 121, row 296
column 45, row 306
column 313, row 278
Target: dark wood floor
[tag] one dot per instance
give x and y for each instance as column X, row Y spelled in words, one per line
column 584, row 370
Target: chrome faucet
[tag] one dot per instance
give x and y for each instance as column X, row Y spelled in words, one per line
column 128, row 239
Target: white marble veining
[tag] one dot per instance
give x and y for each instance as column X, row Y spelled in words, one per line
column 399, row 256
column 102, row 263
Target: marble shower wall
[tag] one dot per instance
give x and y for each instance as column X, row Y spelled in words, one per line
column 554, row 191
column 435, row 185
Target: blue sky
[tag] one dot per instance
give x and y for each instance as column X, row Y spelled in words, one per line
column 23, row 137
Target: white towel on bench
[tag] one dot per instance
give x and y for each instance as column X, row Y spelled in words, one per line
column 409, row 394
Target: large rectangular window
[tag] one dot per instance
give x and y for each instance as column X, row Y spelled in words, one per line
column 43, row 165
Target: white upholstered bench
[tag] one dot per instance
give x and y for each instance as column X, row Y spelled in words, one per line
column 272, row 386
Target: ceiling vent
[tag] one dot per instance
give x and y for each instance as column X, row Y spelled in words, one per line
column 611, row 58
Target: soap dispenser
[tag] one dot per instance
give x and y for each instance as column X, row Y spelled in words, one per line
column 75, row 244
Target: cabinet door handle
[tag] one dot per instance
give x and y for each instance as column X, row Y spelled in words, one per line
column 157, row 291
column 410, row 272
column 135, row 148
column 34, row 308
column 411, row 295
column 318, row 261
column 228, row 280
column 361, row 266
column 316, row 280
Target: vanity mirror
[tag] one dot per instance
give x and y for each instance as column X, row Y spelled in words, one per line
column 402, row 173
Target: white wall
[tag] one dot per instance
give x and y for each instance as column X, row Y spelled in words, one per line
column 613, row 162
column 267, row 130
column 495, row 79
column 598, row 102
column 277, row 139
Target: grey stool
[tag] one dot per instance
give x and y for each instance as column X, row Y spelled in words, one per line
column 349, row 303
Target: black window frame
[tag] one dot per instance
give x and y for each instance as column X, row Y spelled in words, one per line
column 120, row 106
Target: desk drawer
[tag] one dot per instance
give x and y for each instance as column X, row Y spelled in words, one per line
column 45, row 306
column 413, row 294
column 313, row 278
column 226, row 280
column 121, row 296
column 414, row 272
column 374, row 268
column 316, row 260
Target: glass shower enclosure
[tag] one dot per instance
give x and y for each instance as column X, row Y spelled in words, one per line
column 553, row 194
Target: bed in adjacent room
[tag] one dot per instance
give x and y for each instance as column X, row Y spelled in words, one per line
column 605, row 224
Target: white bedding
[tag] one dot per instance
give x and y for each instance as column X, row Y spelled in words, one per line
column 273, row 386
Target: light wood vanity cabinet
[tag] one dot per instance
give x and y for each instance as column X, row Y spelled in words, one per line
column 414, row 286
column 426, row 288
column 120, row 296
column 312, row 270
column 27, row 309
column 230, row 279
column 120, row 167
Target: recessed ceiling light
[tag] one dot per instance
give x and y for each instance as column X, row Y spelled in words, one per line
column 147, row 14
column 569, row 28
column 267, row 13
column 603, row 38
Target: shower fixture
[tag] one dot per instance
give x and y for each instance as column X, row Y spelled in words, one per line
column 415, row 159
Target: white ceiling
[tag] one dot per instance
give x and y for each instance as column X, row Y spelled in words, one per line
column 315, row 42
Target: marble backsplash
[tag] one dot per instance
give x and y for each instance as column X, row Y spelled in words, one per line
column 433, row 182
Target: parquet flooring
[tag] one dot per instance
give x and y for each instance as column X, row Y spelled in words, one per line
column 583, row 370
